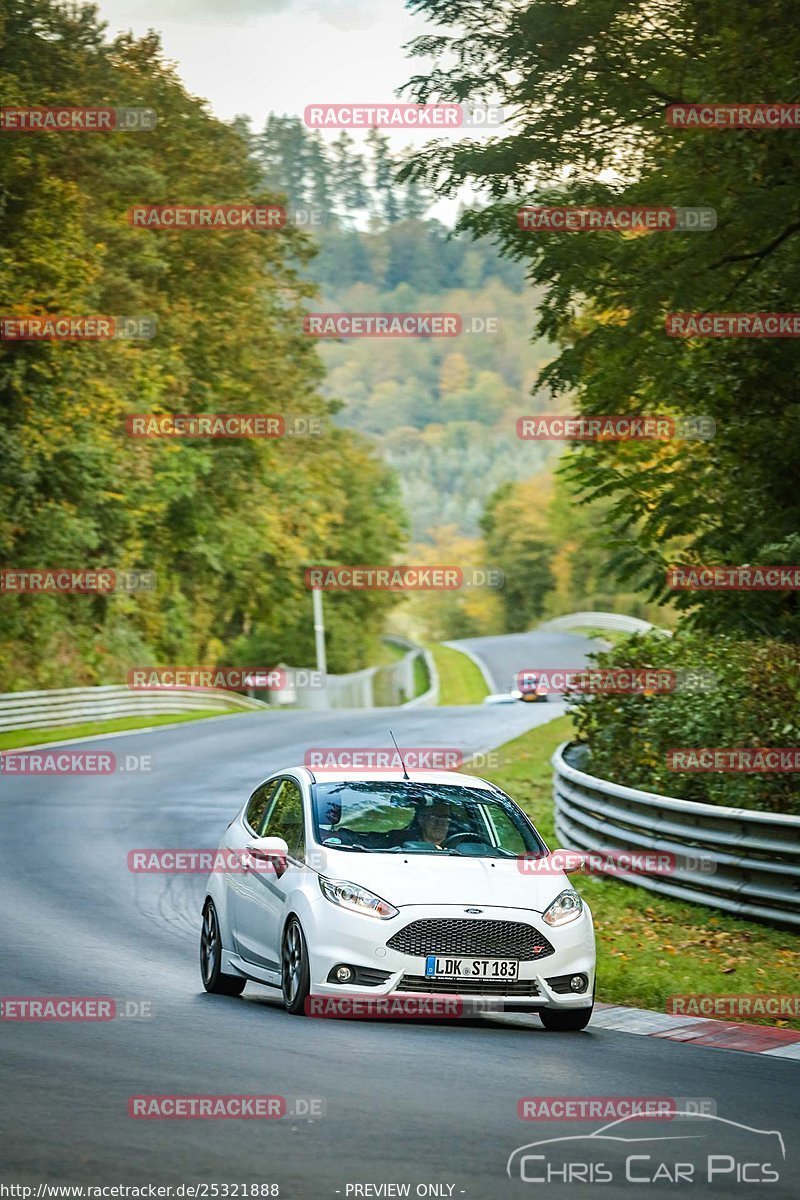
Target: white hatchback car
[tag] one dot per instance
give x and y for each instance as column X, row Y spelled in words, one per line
column 382, row 884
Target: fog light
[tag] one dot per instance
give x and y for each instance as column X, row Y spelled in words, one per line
column 578, row 983
column 344, row 974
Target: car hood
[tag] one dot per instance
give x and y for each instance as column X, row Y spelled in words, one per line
column 404, row 879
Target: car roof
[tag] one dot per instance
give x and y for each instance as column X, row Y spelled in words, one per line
column 347, row 775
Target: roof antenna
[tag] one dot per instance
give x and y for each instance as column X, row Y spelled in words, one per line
column 399, row 755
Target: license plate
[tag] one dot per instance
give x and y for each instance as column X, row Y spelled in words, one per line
column 470, row 968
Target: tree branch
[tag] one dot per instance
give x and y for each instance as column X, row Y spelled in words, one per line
column 757, row 254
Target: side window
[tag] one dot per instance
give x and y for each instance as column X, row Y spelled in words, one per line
column 257, row 806
column 284, row 817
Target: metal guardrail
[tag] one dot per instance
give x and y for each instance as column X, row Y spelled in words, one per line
column 74, row 706
column 742, row 861
column 391, row 683
column 602, row 620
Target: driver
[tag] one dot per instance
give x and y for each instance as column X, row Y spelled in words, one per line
column 434, row 823
column 430, row 823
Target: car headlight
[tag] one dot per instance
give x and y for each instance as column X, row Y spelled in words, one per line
column 356, row 898
column 565, row 908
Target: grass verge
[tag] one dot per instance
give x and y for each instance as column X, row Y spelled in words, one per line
column 650, row 947
column 421, row 680
column 36, row 737
column 460, row 681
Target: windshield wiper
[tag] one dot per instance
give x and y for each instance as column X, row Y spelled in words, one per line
column 341, row 846
column 404, row 850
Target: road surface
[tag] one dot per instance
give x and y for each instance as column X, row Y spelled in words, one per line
column 503, row 656
column 417, row 1102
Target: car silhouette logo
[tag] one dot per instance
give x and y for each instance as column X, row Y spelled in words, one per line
column 701, row 1128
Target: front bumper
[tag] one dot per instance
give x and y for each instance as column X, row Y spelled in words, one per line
column 340, row 937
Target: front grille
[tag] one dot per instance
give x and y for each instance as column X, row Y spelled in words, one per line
column 367, row 977
column 472, row 987
column 484, row 939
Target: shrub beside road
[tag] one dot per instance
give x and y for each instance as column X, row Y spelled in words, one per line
column 753, row 701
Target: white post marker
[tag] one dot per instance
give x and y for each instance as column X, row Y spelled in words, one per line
column 319, row 640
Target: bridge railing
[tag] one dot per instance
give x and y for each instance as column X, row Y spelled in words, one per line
column 392, row 683
column 601, row 620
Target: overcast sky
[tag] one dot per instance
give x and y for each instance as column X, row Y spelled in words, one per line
column 257, row 56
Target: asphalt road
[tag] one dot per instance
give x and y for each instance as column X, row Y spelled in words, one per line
column 416, row 1102
column 503, row 656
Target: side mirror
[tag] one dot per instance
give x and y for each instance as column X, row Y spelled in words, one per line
column 270, row 849
column 567, row 860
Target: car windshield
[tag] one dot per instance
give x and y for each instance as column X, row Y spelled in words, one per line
column 414, row 817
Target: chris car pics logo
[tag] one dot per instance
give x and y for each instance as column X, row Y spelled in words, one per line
column 695, row 1148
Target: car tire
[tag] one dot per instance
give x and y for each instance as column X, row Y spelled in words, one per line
column 295, row 969
column 566, row 1020
column 211, row 957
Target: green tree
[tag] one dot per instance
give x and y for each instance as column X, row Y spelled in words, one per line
column 348, row 175
column 384, row 187
column 517, row 539
column 226, row 526
column 589, row 83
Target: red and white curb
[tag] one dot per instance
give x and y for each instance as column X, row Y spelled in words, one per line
column 700, row 1031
